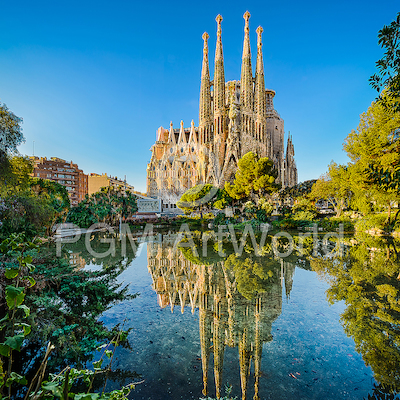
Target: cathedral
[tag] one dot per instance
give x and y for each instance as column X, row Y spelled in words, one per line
column 235, row 117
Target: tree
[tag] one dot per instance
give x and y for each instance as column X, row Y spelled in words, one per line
column 300, row 190
column 335, row 187
column 198, row 198
column 107, row 205
column 254, row 179
column 56, row 195
column 388, row 75
column 15, row 174
column 374, row 150
column 10, row 131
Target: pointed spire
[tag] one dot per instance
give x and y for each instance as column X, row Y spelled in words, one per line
column 260, row 95
column 219, row 75
column 246, row 80
column 182, row 137
column 205, row 112
column 192, row 136
column 171, row 137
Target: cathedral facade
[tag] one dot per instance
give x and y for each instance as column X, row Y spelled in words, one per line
column 235, row 117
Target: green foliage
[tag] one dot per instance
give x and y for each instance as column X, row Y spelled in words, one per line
column 388, row 76
column 222, row 200
column 253, row 275
column 56, row 195
column 106, row 206
column 83, row 300
column 334, row 223
column 375, row 152
column 26, row 213
column 368, row 222
column 300, row 190
column 335, row 187
column 366, row 278
column 14, row 326
column 74, row 329
column 254, row 178
column 199, row 198
column 15, row 173
column 27, row 204
column 10, row 131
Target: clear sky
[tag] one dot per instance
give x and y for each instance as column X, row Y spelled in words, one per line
column 93, row 80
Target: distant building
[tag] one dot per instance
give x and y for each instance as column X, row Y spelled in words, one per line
column 96, row 182
column 65, row 173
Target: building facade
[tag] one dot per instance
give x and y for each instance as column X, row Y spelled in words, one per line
column 235, row 117
column 96, row 182
column 65, row 173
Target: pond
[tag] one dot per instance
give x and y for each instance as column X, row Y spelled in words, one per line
column 308, row 324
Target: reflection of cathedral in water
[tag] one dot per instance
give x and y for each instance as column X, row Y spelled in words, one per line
column 226, row 318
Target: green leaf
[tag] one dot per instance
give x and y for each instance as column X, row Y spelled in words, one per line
column 86, row 396
column 11, row 273
column 14, row 296
column 31, row 280
column 108, row 353
column 4, row 350
column 25, row 327
column 30, row 267
column 14, row 377
column 53, row 388
column 15, row 342
column 26, row 309
column 27, row 259
column 97, row 364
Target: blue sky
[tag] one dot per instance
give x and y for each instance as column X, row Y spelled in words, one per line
column 93, row 80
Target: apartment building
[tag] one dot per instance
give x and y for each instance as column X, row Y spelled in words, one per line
column 65, row 173
column 96, row 182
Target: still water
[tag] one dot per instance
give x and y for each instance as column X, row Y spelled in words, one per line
column 260, row 324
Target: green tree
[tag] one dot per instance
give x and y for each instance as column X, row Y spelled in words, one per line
column 255, row 178
column 10, row 131
column 300, row 190
column 15, row 174
column 56, row 196
column 374, row 150
column 107, row 205
column 198, row 198
column 388, row 75
column 335, row 187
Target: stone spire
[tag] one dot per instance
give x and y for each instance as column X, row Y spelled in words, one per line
column 205, row 112
column 260, row 96
column 246, row 80
column 171, row 136
column 181, row 137
column 219, row 78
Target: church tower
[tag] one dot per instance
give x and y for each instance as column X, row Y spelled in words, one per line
column 260, row 98
column 220, row 120
column 205, row 111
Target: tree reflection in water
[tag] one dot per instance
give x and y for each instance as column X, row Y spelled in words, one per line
column 367, row 278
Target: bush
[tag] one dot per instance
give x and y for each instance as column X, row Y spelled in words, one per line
column 331, row 224
column 378, row 221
